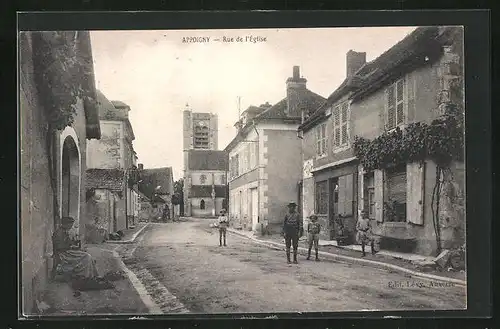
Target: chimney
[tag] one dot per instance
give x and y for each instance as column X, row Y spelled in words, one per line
column 294, row 84
column 354, row 61
column 140, row 166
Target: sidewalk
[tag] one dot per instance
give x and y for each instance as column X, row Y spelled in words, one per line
column 61, row 299
column 131, row 234
column 412, row 264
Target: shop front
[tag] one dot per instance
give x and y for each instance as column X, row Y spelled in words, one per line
column 336, row 201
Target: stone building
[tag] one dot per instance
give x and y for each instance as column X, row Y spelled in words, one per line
column 402, row 86
column 105, row 203
column 157, row 184
column 52, row 162
column 205, row 167
column 205, row 183
column 265, row 158
column 115, row 151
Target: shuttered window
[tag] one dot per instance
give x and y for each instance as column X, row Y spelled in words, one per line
column 321, row 197
column 395, row 104
column 396, row 195
column 321, row 139
column 340, row 125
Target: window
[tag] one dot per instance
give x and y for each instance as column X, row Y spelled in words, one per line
column 234, row 166
column 321, row 197
column 340, row 125
column 202, row 204
column 253, row 155
column 395, row 203
column 396, row 100
column 321, row 139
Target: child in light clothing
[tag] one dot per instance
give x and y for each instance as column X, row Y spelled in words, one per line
column 364, row 234
column 313, row 229
column 223, row 225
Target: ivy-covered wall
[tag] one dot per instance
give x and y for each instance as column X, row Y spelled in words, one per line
column 48, row 96
column 437, row 139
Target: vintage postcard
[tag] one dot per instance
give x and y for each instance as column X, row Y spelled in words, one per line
column 242, row 171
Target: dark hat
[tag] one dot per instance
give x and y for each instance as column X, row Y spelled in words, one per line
column 67, row 220
column 292, row 204
column 313, row 216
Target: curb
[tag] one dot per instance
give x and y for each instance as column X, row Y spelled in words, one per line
column 383, row 265
column 131, row 240
column 139, row 287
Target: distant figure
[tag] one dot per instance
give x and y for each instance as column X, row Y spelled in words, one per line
column 364, row 234
column 313, row 229
column 292, row 231
column 223, row 225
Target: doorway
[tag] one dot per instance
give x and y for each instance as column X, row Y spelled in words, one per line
column 70, row 181
column 254, row 207
column 333, row 202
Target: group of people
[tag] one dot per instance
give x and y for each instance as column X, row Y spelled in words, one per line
column 293, row 230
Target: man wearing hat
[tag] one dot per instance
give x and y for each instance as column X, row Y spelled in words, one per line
column 313, row 229
column 292, row 231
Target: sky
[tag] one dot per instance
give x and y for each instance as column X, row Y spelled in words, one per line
column 157, row 74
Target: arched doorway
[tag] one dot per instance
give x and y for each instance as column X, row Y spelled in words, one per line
column 70, row 181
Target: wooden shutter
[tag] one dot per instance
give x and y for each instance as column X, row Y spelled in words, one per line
column 343, row 195
column 344, row 133
column 415, row 193
column 410, row 92
column 349, row 195
column 318, row 141
column 336, row 125
column 391, row 107
column 379, row 195
column 361, row 190
column 400, row 113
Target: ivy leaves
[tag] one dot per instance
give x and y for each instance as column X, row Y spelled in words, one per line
column 441, row 141
column 62, row 75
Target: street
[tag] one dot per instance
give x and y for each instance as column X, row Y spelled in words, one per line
column 186, row 259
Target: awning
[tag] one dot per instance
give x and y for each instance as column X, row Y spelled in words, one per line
column 333, row 164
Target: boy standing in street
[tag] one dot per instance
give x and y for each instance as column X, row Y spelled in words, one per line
column 292, row 231
column 364, row 234
column 313, row 229
column 223, row 225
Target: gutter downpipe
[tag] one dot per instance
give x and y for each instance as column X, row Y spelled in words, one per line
column 258, row 178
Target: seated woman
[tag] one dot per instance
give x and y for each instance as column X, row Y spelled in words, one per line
column 72, row 262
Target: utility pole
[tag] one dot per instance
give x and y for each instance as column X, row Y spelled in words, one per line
column 239, row 107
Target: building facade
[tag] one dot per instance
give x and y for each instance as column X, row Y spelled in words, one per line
column 105, row 203
column 115, row 151
column 205, row 167
column 409, row 83
column 205, row 183
column 265, row 158
column 52, row 165
column 157, row 185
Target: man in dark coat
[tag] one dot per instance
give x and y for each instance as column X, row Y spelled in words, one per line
column 292, row 231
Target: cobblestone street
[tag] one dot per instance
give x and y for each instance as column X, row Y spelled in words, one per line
column 184, row 260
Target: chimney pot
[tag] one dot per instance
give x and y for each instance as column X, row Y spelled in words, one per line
column 296, row 72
